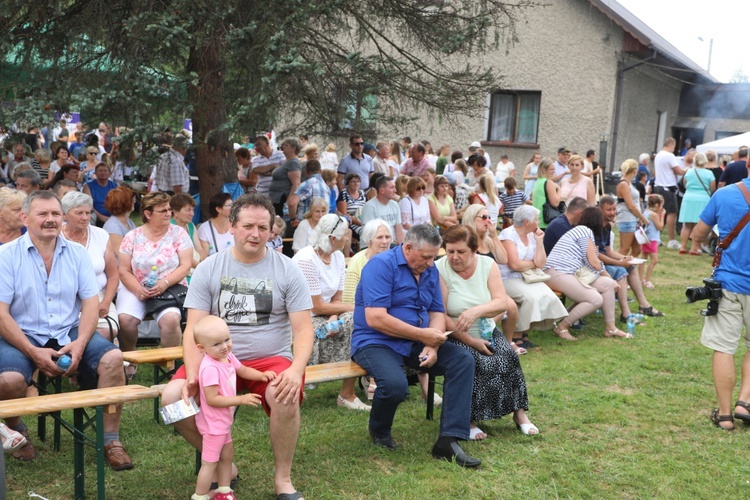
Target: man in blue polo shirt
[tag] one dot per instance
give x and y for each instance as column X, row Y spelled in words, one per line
column 398, row 320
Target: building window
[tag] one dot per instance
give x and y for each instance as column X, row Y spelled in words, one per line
column 514, row 117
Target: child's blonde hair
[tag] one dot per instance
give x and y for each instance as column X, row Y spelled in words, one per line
column 655, row 199
column 279, row 223
column 328, row 175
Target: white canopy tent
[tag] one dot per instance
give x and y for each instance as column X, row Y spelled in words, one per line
column 727, row 145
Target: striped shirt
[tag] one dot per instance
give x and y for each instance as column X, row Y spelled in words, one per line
column 512, row 201
column 264, row 181
column 569, row 253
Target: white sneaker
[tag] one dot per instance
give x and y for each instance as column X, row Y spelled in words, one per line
column 673, row 245
column 436, row 400
column 705, row 248
column 353, row 405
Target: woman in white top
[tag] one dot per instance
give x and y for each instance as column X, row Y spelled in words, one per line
column 214, row 234
column 77, row 210
column 317, row 209
column 329, row 158
column 530, row 174
column 538, row 306
column 487, row 195
column 576, row 250
column 415, row 209
column 324, row 267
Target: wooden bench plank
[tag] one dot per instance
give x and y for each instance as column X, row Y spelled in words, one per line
column 333, row 371
column 161, row 356
column 71, row 400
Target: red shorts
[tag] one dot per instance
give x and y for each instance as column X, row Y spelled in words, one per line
column 276, row 363
column 650, row 247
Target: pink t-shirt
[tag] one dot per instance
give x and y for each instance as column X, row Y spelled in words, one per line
column 213, row 420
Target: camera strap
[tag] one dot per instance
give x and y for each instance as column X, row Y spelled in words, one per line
column 725, row 242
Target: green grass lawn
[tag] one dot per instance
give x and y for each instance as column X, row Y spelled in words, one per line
column 618, row 419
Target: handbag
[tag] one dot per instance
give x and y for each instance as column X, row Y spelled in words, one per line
column 174, row 296
column 585, row 275
column 550, row 213
column 535, row 275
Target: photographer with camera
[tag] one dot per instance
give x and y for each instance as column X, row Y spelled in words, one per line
column 729, row 297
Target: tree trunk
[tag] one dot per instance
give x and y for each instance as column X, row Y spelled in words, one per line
column 216, row 163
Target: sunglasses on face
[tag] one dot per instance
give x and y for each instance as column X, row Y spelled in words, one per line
column 358, row 144
column 483, row 217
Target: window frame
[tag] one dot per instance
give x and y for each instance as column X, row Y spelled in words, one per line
column 517, row 94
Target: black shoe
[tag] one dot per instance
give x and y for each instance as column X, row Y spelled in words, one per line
column 453, row 452
column 578, row 325
column 386, row 442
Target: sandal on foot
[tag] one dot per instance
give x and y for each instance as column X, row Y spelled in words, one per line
column 745, row 417
column 527, row 429
column 648, row 284
column 624, row 319
column 650, row 311
column 289, row 496
column 474, row 434
column 519, row 350
column 716, row 419
column 618, row 333
column 564, row 334
column 12, row 440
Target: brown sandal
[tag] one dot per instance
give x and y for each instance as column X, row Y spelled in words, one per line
column 717, row 419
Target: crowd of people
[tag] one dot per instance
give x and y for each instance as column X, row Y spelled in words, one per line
column 400, row 259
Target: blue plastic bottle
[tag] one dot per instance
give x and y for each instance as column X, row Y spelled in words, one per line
column 329, row 328
column 63, row 362
column 485, row 330
column 632, row 322
column 152, row 277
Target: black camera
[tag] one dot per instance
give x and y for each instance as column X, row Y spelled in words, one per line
column 711, row 292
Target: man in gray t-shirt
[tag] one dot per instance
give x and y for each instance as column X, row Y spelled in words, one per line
column 384, row 207
column 264, row 299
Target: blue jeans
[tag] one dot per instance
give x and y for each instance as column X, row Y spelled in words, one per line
column 13, row 360
column 386, row 366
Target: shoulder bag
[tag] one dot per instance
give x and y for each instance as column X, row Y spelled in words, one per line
column 585, row 275
column 174, row 296
column 535, row 275
column 550, row 213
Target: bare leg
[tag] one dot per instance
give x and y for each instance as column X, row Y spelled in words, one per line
column 128, row 332
column 111, row 375
column 626, row 241
column 347, row 389
column 12, row 386
column 745, row 383
column 671, row 222
column 186, row 428
column 170, row 331
column 284, row 431
column 622, row 297
column 724, row 380
column 508, row 325
column 637, row 287
column 694, row 245
column 684, row 237
column 207, row 472
column 654, row 259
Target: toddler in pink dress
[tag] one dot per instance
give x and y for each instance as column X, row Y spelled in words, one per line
column 218, row 399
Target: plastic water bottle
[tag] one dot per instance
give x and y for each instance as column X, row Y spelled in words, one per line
column 152, row 277
column 639, row 317
column 63, row 362
column 485, row 330
column 632, row 322
column 329, row 328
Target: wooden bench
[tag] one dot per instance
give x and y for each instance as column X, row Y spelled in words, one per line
column 166, row 361
column 104, row 400
column 313, row 374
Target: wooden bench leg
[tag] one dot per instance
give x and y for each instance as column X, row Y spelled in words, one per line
column 78, row 454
